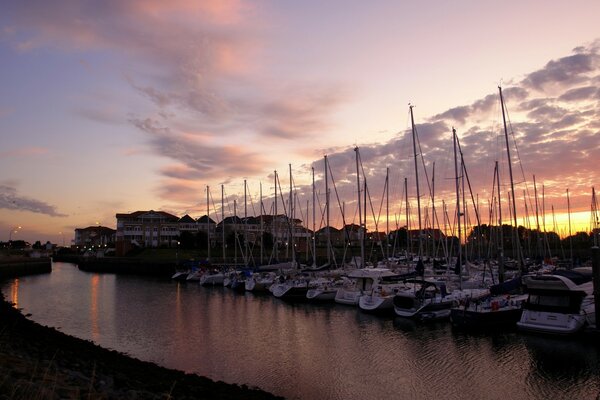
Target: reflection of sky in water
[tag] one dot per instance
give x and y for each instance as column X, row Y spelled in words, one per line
column 303, row 351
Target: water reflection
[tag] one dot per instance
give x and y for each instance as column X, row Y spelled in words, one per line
column 303, row 351
column 560, row 365
column 14, row 292
column 94, row 307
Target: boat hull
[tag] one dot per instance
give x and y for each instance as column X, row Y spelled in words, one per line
column 478, row 319
column 551, row 323
column 321, row 295
column 376, row 304
column 348, row 297
column 292, row 294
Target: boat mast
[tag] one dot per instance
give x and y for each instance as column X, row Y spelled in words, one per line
column 570, row 234
column 539, row 245
column 501, row 233
column 327, row 230
column 360, row 221
column 387, row 213
column 458, row 269
column 275, row 217
column 314, row 242
column 223, row 220
column 414, row 138
column 595, row 221
column 235, row 231
column 433, row 216
column 292, row 220
column 246, row 258
column 408, row 241
column 262, row 226
column 207, row 223
column 512, row 187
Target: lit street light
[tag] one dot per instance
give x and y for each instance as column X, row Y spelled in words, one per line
column 13, row 230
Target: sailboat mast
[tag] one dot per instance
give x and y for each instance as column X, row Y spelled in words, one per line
column 458, row 268
column 570, row 234
column 246, row 258
column 292, row 220
column 501, row 233
column 595, row 220
column 360, row 220
column 314, row 242
column 512, row 187
column 207, row 223
column 387, row 213
column 262, row 226
column 327, row 230
column 433, row 219
column 414, row 138
column 235, row 231
column 275, row 220
column 408, row 241
column 223, row 220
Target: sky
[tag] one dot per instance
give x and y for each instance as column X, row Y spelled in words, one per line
column 118, row 106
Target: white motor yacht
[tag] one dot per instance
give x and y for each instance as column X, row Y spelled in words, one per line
column 558, row 303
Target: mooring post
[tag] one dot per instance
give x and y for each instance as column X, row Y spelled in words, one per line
column 596, row 275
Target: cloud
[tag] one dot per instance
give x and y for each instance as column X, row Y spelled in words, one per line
column 552, row 125
column 581, row 93
column 570, row 70
column 196, row 66
column 32, row 151
column 197, row 159
column 11, row 200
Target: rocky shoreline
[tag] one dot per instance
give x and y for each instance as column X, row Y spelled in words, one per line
column 38, row 362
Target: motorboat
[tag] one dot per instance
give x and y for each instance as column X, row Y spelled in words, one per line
column 429, row 299
column 361, row 281
column 558, row 303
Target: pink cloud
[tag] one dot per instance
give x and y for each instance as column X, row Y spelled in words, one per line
column 25, row 152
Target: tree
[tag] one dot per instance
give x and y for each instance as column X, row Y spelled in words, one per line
column 187, row 240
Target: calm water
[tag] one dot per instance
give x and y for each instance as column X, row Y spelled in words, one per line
column 303, row 351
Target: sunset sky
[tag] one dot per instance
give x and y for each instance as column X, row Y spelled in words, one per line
column 116, row 106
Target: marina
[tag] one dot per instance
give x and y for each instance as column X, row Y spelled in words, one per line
column 304, row 351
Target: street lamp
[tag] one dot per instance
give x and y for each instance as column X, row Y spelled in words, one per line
column 13, row 230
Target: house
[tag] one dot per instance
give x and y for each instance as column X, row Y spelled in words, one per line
column 94, row 236
column 146, row 229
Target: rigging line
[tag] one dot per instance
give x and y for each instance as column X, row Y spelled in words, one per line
column 339, row 203
column 464, row 167
column 520, row 162
column 367, row 193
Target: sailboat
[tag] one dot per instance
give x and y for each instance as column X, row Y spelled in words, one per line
column 504, row 305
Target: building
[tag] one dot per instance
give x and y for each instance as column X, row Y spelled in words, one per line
column 94, row 236
column 146, row 229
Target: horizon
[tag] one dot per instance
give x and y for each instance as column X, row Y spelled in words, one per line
column 125, row 106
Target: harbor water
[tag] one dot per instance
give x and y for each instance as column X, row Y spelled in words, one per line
column 303, row 351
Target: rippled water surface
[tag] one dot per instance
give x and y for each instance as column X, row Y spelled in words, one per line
column 303, row 351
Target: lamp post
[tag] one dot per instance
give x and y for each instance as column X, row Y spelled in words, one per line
column 13, row 230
